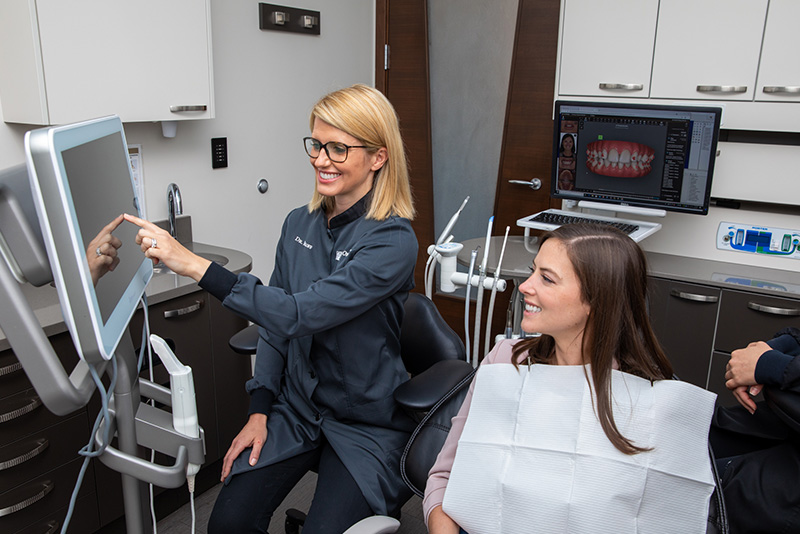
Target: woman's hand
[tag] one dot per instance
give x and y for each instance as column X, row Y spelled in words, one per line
column 440, row 523
column 254, row 434
column 101, row 254
column 740, row 373
column 157, row 244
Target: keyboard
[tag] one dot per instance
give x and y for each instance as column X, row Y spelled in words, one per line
column 553, row 218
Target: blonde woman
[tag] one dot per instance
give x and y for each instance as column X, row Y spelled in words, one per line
column 328, row 356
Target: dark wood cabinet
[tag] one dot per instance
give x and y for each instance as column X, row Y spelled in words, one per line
column 39, row 459
column 700, row 325
column 684, row 317
column 39, row 463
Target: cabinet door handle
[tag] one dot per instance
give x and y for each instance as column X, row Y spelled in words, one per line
column 693, row 296
column 721, row 88
column 31, row 404
column 184, row 311
column 782, row 89
column 11, row 368
column 39, row 446
column 773, row 310
column 46, row 487
column 622, row 86
column 181, row 109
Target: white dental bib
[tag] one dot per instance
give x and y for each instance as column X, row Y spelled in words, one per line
column 534, row 458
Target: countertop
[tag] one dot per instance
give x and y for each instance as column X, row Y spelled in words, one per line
column 163, row 286
column 520, row 252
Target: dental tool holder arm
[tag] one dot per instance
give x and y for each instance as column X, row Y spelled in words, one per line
column 154, row 430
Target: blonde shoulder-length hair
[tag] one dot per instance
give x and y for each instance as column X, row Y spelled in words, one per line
column 366, row 114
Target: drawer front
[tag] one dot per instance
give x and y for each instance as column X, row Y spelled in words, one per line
column 683, row 316
column 84, row 519
column 746, row 317
column 24, row 414
column 12, row 377
column 42, row 451
column 29, row 503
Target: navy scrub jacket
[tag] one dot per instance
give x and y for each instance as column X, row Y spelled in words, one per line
column 328, row 357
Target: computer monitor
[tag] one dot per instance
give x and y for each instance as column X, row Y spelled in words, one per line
column 649, row 156
column 81, row 181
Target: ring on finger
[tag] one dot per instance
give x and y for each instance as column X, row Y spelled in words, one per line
column 98, row 252
column 153, row 242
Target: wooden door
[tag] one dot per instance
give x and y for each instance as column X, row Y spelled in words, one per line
column 402, row 24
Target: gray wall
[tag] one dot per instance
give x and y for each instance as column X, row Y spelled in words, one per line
column 471, row 45
column 265, row 83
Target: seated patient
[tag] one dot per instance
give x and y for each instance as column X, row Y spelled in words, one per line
column 587, row 297
column 758, row 453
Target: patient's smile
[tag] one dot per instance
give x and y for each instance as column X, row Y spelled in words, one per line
column 530, row 308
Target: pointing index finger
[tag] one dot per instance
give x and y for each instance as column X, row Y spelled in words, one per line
column 147, row 225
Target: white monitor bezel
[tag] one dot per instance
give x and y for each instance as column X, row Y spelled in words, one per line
column 94, row 339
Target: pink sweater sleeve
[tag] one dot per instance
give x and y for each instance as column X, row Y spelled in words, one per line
column 440, row 472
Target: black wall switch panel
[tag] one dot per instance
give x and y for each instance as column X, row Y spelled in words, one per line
column 219, row 152
column 288, row 19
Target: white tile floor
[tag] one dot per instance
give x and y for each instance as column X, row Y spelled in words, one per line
column 180, row 521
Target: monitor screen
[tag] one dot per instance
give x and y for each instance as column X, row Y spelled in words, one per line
column 81, row 182
column 642, row 155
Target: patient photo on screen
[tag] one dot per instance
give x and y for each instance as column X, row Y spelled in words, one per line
column 566, row 157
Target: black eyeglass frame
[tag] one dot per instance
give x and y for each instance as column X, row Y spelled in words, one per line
column 327, row 152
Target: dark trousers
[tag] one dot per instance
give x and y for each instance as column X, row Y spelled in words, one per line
column 247, row 502
column 759, row 466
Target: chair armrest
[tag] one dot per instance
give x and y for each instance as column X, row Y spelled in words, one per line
column 245, row 341
column 785, row 404
column 424, row 390
column 376, row 524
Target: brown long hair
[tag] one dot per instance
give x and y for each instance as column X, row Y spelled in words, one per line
column 612, row 271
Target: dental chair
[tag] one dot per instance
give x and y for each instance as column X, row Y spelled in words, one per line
column 434, row 357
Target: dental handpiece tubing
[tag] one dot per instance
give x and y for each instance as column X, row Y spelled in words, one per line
column 473, row 256
column 479, row 301
column 490, row 311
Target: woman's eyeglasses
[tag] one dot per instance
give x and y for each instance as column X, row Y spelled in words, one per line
column 337, row 152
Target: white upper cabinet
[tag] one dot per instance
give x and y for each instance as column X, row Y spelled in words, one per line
column 61, row 62
column 737, row 54
column 606, row 47
column 779, row 74
column 708, row 49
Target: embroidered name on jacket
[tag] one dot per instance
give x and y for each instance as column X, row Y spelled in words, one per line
column 303, row 242
column 342, row 254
